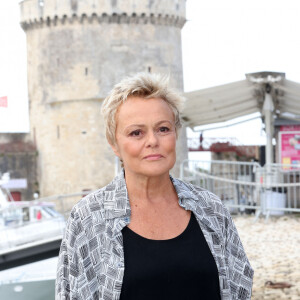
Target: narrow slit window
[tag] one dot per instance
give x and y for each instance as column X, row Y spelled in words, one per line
column 34, row 135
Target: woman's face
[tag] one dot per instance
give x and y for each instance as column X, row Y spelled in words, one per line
column 145, row 136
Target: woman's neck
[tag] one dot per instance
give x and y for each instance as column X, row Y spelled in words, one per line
column 149, row 189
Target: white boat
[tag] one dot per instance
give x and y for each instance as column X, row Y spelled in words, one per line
column 24, row 222
column 34, row 281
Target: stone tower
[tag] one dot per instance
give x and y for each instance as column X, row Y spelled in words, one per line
column 77, row 50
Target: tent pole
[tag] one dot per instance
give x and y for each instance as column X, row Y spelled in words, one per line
column 268, row 108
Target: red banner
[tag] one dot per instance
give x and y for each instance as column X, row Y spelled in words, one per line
column 3, row 101
column 290, row 128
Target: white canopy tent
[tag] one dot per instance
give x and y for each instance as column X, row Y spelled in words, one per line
column 219, row 104
column 266, row 92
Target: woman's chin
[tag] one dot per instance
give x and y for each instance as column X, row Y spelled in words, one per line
column 152, row 170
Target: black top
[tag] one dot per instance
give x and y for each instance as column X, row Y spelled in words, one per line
column 178, row 268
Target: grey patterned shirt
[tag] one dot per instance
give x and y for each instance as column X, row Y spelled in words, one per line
column 91, row 259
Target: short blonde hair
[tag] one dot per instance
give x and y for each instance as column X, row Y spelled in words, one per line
column 143, row 85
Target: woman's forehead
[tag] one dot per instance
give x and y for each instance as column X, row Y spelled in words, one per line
column 138, row 110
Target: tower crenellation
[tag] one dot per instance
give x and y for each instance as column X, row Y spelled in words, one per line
column 36, row 13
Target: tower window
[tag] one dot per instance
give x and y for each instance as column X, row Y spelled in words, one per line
column 34, row 135
column 86, row 71
column 149, row 69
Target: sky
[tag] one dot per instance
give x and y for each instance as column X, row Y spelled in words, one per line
column 13, row 79
column 221, row 42
column 224, row 40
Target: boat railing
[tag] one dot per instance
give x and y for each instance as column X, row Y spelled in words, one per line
column 21, row 233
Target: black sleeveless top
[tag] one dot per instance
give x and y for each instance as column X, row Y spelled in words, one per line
column 175, row 269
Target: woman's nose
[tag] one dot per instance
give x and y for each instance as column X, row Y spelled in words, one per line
column 152, row 139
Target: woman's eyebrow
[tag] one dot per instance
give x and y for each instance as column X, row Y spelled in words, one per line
column 164, row 121
column 143, row 125
column 135, row 125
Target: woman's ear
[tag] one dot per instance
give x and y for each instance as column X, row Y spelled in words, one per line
column 115, row 148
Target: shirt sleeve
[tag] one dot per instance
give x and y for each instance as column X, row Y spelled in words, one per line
column 68, row 261
column 240, row 270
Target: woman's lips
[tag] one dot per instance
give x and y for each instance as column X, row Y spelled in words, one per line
column 153, row 157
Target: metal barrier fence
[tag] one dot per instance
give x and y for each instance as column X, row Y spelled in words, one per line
column 246, row 186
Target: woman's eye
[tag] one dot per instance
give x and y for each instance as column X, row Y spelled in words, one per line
column 164, row 129
column 135, row 133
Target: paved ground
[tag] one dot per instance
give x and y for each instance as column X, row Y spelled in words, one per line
column 273, row 248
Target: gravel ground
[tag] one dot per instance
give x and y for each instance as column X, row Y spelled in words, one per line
column 273, row 248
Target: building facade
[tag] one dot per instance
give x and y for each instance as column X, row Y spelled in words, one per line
column 18, row 157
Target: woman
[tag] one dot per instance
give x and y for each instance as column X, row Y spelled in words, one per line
column 147, row 235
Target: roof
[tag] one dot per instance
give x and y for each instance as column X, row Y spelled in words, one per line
column 241, row 98
column 17, row 147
